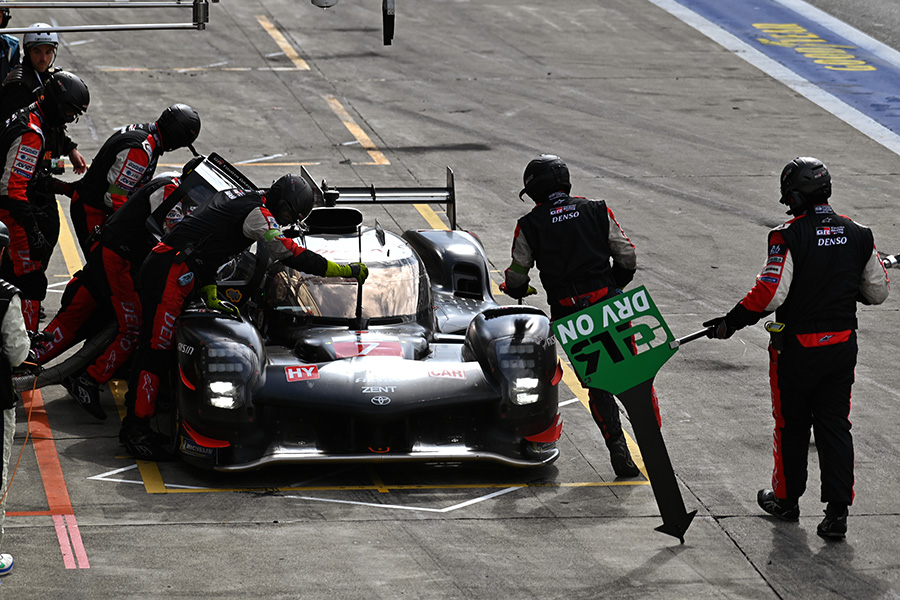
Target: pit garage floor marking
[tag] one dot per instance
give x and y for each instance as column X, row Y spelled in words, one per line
column 377, row 157
column 282, row 43
column 837, row 67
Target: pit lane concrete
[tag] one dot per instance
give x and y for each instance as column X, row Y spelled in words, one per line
column 686, row 142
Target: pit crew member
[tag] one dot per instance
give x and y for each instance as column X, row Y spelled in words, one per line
column 819, row 265
column 22, row 143
column 14, row 344
column 583, row 257
column 186, row 260
column 126, row 161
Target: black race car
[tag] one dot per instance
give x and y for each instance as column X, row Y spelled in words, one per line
column 418, row 364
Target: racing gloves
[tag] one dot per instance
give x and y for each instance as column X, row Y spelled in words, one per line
column 719, row 328
column 210, row 295
column 518, row 292
column 357, row 271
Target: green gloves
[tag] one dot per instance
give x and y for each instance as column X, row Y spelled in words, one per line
column 210, row 295
column 519, row 292
column 357, row 271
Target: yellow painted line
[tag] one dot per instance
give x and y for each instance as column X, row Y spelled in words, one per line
column 433, row 219
column 193, row 69
column 412, row 487
column 376, row 479
column 282, row 43
column 67, row 243
column 357, row 132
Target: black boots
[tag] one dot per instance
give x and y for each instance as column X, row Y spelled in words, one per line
column 783, row 509
column 834, row 525
column 620, row 458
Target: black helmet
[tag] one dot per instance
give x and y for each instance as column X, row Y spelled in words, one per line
column 545, row 175
column 4, row 235
column 290, row 199
column 804, row 181
column 65, row 97
column 178, row 126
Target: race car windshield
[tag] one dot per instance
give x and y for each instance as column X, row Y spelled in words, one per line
column 395, row 291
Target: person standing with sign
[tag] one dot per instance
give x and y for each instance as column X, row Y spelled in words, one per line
column 583, row 257
column 820, row 264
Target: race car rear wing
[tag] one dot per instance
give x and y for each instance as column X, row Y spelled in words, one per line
column 326, row 195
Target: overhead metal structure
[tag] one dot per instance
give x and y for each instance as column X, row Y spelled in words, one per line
column 199, row 15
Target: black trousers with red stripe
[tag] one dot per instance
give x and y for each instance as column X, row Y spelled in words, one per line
column 811, row 388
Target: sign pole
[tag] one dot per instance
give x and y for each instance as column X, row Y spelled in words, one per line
column 638, row 402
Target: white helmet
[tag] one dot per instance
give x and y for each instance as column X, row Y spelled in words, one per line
column 40, row 38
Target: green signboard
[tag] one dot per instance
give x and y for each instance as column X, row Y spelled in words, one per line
column 616, row 344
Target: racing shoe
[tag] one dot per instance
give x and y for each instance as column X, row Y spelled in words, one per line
column 87, row 392
column 145, row 444
column 6, row 564
column 834, row 525
column 620, row 458
column 783, row 509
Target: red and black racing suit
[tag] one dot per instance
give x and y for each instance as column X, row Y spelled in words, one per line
column 108, row 284
column 22, row 87
column 571, row 240
column 187, row 259
column 21, row 147
column 819, row 264
column 126, row 161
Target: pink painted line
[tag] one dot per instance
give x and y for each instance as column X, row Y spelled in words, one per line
column 77, row 544
column 63, row 536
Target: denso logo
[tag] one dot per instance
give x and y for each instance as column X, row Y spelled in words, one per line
column 304, row 373
column 837, row 241
column 565, row 216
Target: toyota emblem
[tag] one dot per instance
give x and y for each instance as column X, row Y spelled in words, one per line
column 381, row 400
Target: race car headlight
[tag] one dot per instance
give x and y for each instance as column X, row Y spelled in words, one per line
column 519, row 364
column 225, row 394
column 525, row 390
column 229, row 368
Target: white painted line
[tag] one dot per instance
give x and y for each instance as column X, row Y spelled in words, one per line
column 255, row 160
column 416, row 508
column 108, row 477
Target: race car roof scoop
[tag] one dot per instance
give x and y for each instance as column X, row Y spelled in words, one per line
column 338, row 219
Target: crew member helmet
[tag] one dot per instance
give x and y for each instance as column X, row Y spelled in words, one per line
column 545, row 175
column 290, row 199
column 178, row 126
column 804, row 181
column 39, row 38
column 4, row 235
column 65, row 98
